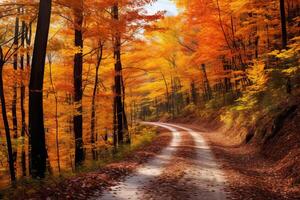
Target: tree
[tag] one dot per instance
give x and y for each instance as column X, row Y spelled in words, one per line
column 22, row 96
column 120, row 112
column 52, row 46
column 96, row 82
column 15, row 87
column 77, row 76
column 36, row 114
column 125, row 25
column 3, row 60
column 283, row 24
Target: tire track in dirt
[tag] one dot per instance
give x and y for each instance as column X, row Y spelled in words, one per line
column 204, row 174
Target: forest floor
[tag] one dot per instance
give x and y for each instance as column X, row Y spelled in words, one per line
column 185, row 161
column 177, row 165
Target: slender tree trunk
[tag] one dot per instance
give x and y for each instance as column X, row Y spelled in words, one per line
column 16, row 43
column 156, row 108
column 23, row 130
column 56, row 115
column 115, row 136
column 28, row 43
column 36, row 114
column 28, row 37
column 93, row 114
column 194, row 93
column 22, row 91
column 206, row 83
column 14, row 120
column 167, row 91
column 283, row 25
column 6, row 125
column 125, row 122
column 131, row 115
column 268, row 37
column 227, row 81
column 256, row 47
column 172, row 97
column 256, row 43
column 15, row 88
column 134, row 114
column 77, row 76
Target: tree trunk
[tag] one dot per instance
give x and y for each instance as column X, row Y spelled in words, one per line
column 125, row 122
column 77, row 75
column 15, row 88
column 28, row 42
column 22, row 91
column 283, row 25
column 115, row 139
column 28, row 37
column 167, row 91
column 93, row 114
column 172, row 97
column 36, row 115
column 56, row 114
column 6, row 126
column 207, row 88
column 194, row 93
column 120, row 111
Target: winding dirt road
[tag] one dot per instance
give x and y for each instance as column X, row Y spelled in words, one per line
column 186, row 169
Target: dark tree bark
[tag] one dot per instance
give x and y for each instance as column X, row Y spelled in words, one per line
column 56, row 112
column 194, row 93
column 115, row 138
column 207, row 88
column 36, row 114
column 77, row 75
column 227, row 80
column 16, row 43
column 120, row 111
column 15, row 88
column 283, row 25
column 172, row 97
column 5, row 121
column 22, row 91
column 28, row 34
column 93, row 114
column 125, row 121
column 256, row 44
column 28, row 38
column 167, row 91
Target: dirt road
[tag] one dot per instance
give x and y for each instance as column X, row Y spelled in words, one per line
column 186, row 169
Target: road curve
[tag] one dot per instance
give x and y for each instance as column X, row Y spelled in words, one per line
column 131, row 188
column 204, row 173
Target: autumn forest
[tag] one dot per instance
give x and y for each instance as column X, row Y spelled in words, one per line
column 149, row 99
